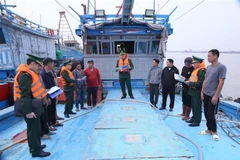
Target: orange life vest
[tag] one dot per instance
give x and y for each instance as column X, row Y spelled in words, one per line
column 64, row 83
column 124, row 62
column 37, row 89
column 194, row 75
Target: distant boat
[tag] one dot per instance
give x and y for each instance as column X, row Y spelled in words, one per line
column 18, row 37
column 67, row 46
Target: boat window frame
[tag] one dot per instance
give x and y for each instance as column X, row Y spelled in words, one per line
column 2, row 37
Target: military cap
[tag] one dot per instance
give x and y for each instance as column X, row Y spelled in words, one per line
column 197, row 59
column 67, row 62
column 122, row 53
column 35, row 59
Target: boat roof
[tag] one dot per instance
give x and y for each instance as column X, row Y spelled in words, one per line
column 122, row 129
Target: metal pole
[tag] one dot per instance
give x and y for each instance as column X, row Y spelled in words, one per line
column 40, row 19
column 95, row 4
column 153, row 4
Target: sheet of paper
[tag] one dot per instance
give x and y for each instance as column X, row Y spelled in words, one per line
column 56, row 93
column 178, row 77
column 83, row 78
column 53, row 89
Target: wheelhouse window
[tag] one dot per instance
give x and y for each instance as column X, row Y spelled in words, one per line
column 129, row 46
column 92, row 48
column 142, row 48
column 106, row 48
column 154, row 47
column 2, row 38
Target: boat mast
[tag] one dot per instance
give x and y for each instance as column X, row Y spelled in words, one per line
column 153, row 4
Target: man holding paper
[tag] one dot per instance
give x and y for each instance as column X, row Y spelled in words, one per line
column 28, row 87
column 68, row 82
column 186, row 98
column 124, row 66
column 48, row 79
column 195, row 83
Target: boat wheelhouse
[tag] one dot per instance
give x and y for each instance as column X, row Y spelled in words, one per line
column 143, row 35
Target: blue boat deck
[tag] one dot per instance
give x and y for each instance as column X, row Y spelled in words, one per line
column 133, row 130
column 122, row 130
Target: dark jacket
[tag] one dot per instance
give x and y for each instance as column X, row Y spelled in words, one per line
column 186, row 72
column 167, row 78
column 48, row 79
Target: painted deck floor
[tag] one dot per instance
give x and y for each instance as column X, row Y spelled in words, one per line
column 122, row 130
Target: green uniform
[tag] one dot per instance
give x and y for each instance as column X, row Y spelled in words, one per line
column 125, row 78
column 195, row 93
column 33, row 124
column 68, row 91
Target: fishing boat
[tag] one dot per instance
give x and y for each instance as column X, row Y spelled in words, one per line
column 67, row 46
column 126, row 129
column 18, row 37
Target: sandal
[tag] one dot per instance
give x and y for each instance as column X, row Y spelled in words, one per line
column 205, row 132
column 52, row 128
column 215, row 137
column 57, row 124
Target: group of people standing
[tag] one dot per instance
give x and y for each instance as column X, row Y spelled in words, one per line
column 199, row 84
column 34, row 79
column 80, row 80
column 37, row 76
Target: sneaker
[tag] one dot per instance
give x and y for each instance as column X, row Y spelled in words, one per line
column 162, row 108
column 131, row 97
column 77, row 109
column 171, row 109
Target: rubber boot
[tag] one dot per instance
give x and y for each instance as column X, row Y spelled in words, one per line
column 187, row 113
column 183, row 110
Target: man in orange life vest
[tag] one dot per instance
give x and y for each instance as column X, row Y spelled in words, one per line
column 68, row 82
column 26, row 87
column 195, row 83
column 124, row 66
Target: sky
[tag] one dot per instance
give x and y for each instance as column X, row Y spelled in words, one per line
column 213, row 24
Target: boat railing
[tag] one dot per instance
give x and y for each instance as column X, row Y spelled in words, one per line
column 25, row 23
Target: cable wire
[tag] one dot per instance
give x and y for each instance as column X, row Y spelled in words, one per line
column 67, row 11
column 163, row 6
column 187, row 11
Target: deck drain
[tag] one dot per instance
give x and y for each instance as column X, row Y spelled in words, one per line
column 134, row 138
